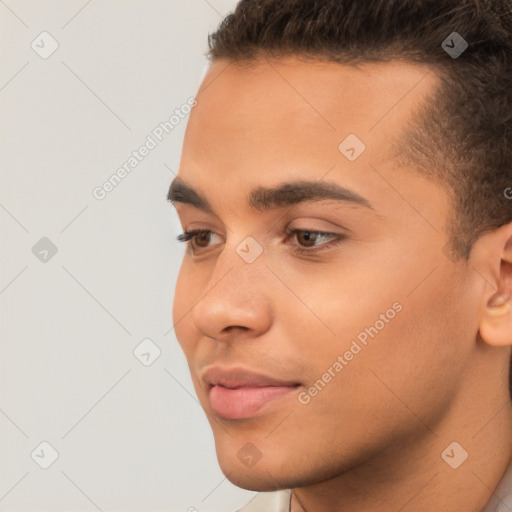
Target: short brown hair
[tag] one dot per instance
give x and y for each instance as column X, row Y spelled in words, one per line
column 462, row 135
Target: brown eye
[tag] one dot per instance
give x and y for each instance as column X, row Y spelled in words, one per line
column 307, row 238
column 197, row 239
column 308, row 241
column 202, row 237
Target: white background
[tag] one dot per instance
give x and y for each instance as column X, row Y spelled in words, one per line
column 130, row 437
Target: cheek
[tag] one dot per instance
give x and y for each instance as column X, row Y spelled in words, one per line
column 400, row 369
column 415, row 359
column 397, row 343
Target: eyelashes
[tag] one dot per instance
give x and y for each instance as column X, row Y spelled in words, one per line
column 309, row 235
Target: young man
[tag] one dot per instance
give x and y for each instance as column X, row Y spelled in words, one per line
column 344, row 302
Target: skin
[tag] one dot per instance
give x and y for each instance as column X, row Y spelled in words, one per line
column 372, row 439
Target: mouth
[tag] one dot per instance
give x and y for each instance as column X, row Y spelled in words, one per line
column 241, row 394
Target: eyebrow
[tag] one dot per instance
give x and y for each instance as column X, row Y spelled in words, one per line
column 280, row 196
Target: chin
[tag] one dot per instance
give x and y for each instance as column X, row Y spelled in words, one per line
column 261, row 475
column 253, row 481
column 267, row 475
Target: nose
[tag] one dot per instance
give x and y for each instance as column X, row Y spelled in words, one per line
column 235, row 301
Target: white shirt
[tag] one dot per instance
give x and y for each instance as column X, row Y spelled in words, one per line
column 501, row 500
column 269, row 502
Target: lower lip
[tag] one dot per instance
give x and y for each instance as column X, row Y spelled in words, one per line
column 245, row 402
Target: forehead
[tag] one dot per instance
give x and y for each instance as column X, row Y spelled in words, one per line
column 324, row 90
column 284, row 120
column 311, row 105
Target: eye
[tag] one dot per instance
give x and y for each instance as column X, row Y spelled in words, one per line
column 199, row 238
column 307, row 239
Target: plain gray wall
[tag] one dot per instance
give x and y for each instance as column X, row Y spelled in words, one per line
column 129, row 437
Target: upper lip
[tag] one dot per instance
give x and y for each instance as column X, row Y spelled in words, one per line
column 240, row 377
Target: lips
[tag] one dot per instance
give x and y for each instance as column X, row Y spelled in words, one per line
column 235, row 378
column 236, row 393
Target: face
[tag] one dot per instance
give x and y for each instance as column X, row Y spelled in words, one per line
column 310, row 313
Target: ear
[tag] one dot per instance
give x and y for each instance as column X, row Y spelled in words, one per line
column 496, row 319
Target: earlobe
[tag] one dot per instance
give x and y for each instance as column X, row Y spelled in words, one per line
column 496, row 326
